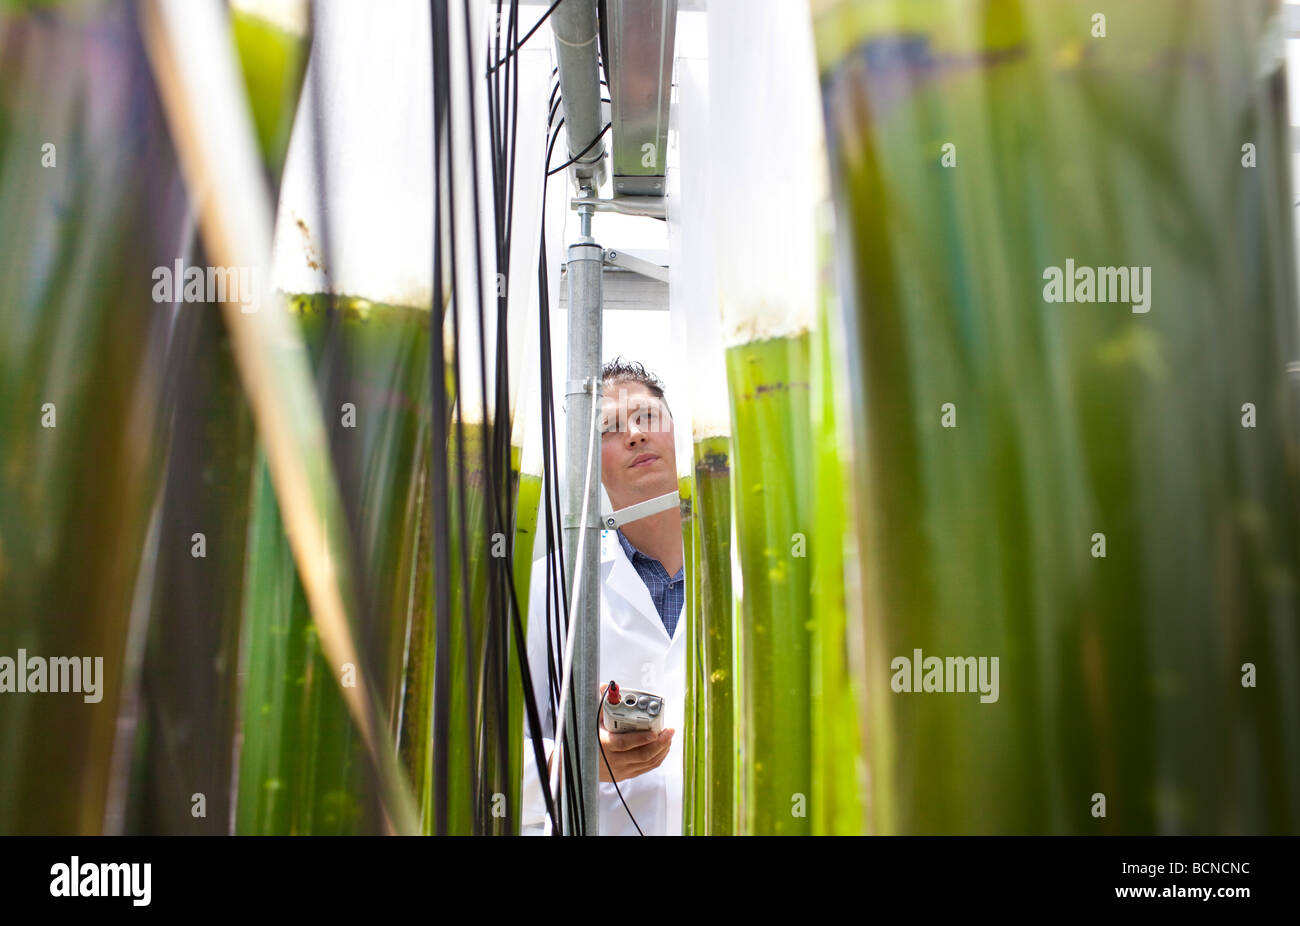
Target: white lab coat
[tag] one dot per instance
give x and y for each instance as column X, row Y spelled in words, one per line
column 635, row 651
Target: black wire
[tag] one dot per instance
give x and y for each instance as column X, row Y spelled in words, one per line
column 494, row 648
column 487, row 443
column 572, row 755
column 602, row 32
column 488, row 473
column 555, row 104
column 577, row 157
column 439, row 487
column 519, row 44
column 494, row 663
column 487, row 691
column 503, row 146
column 500, row 174
column 510, row 491
column 557, row 594
column 600, row 713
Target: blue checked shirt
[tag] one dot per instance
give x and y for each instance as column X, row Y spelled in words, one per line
column 669, row 595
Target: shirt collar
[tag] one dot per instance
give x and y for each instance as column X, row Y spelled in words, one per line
column 633, row 553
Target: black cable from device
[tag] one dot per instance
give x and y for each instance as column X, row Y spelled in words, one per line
column 600, row 712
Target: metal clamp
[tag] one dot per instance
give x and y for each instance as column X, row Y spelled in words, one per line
column 592, row 384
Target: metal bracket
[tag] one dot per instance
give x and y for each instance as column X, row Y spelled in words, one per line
column 609, row 520
column 640, row 510
column 639, row 185
column 648, row 206
column 637, row 265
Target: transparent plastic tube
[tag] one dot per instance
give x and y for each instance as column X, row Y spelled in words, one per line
column 696, row 329
column 367, row 153
column 768, row 173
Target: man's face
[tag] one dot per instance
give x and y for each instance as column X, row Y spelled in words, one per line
column 638, row 458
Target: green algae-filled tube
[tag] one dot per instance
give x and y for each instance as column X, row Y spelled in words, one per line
column 303, row 765
column 769, row 382
column 88, row 209
column 355, row 221
column 702, row 419
column 838, row 762
column 527, row 507
column 768, row 174
column 713, row 561
column 272, row 60
column 695, row 742
column 185, row 742
column 1075, row 430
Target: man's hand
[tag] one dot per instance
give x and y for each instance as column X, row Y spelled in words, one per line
column 632, row 754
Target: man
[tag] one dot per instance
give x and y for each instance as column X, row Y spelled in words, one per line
column 643, row 593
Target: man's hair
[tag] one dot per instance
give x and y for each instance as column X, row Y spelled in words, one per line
column 619, row 371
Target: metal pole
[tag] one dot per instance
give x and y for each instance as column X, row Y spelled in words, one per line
column 574, row 26
column 586, row 260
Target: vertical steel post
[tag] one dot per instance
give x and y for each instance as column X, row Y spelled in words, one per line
column 586, row 261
